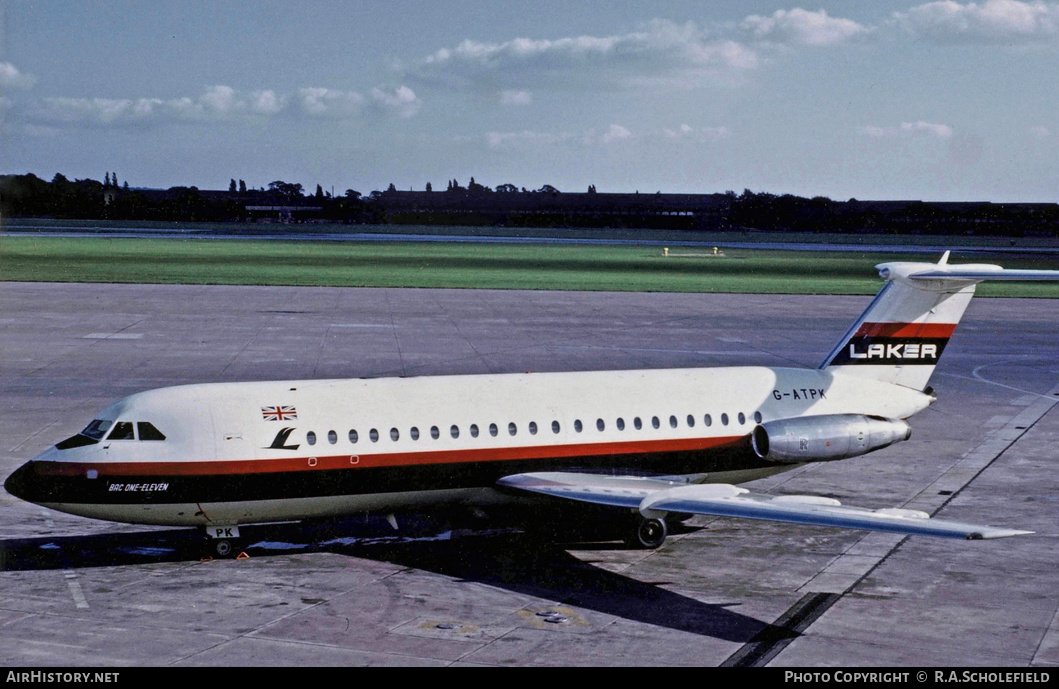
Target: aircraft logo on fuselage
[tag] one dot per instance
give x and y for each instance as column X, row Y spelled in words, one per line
column 280, row 441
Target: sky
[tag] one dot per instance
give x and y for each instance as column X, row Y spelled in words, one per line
column 943, row 101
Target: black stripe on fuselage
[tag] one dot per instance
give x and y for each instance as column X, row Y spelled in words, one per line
column 28, row 484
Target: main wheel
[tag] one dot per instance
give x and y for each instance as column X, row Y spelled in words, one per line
column 647, row 533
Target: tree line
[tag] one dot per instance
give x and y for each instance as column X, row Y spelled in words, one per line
column 508, row 205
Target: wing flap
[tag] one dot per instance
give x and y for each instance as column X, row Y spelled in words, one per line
column 655, row 497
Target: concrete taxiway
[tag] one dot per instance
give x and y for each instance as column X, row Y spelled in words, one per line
column 77, row 592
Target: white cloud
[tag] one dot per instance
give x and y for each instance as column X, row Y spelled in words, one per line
column 663, row 51
column 11, row 77
column 1040, row 132
column 512, row 97
column 523, row 138
column 908, row 129
column 267, row 103
column 322, row 102
column 217, row 103
column 402, row 101
column 686, row 132
column 801, row 27
column 994, row 21
column 616, row 132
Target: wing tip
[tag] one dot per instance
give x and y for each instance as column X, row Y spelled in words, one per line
column 995, row 533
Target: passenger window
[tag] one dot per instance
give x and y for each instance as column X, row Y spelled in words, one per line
column 512, row 429
column 374, row 435
column 757, row 416
column 533, row 427
column 724, row 419
column 577, row 425
column 708, row 420
column 621, row 424
column 474, row 430
column 414, row 432
column 332, row 437
column 672, row 422
column 353, row 436
column 637, row 423
column 310, row 438
column 555, row 427
column 147, row 431
column 122, row 431
column 455, row 431
column 655, row 423
column 492, row 429
column 600, row 425
column 742, row 418
column 434, row 432
column 691, row 421
column 395, row 434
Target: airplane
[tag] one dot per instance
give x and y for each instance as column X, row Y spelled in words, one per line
column 645, row 446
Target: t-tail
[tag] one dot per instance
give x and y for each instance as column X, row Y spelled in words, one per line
column 903, row 332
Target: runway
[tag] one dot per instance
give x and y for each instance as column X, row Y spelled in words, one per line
column 77, row 592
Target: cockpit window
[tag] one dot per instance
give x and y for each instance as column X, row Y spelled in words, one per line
column 122, row 431
column 147, row 431
column 97, row 429
column 75, row 441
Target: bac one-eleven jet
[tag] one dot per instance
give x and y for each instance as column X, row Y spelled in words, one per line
column 650, row 445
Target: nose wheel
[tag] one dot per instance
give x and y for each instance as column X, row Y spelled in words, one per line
column 222, row 548
column 222, row 542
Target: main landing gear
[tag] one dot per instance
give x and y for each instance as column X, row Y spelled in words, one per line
column 646, row 532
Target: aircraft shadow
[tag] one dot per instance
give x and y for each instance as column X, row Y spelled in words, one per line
column 508, row 559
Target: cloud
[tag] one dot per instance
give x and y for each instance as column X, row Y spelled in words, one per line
column 499, row 140
column 1040, row 132
column 663, row 51
column 513, row 97
column 908, row 129
column 330, row 103
column 217, row 103
column 12, row 78
column 801, row 27
column 688, row 133
column 616, row 132
column 402, row 101
column 994, row 21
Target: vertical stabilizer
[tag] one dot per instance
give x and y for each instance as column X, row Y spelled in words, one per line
column 903, row 332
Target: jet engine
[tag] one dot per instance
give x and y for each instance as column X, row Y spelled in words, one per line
column 824, row 438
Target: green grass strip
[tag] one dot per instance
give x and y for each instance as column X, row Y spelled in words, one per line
column 458, row 265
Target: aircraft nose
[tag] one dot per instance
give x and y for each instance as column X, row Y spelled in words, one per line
column 18, row 483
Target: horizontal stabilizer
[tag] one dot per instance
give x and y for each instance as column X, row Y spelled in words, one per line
column 975, row 273
column 654, row 497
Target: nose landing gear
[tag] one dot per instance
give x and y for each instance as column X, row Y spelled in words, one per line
column 222, row 542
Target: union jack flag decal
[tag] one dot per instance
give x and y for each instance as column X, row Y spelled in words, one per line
column 277, row 413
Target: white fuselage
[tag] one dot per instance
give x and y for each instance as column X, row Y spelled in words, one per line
column 255, row 452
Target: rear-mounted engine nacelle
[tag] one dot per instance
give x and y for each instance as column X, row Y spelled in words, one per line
column 823, row 438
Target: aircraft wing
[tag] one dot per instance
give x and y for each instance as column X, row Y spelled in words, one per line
column 655, row 497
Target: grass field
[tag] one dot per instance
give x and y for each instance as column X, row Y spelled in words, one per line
column 461, row 265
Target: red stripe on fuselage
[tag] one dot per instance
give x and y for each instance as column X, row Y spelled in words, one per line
column 905, row 330
column 354, row 461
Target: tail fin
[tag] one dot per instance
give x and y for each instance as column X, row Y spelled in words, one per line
column 901, row 335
